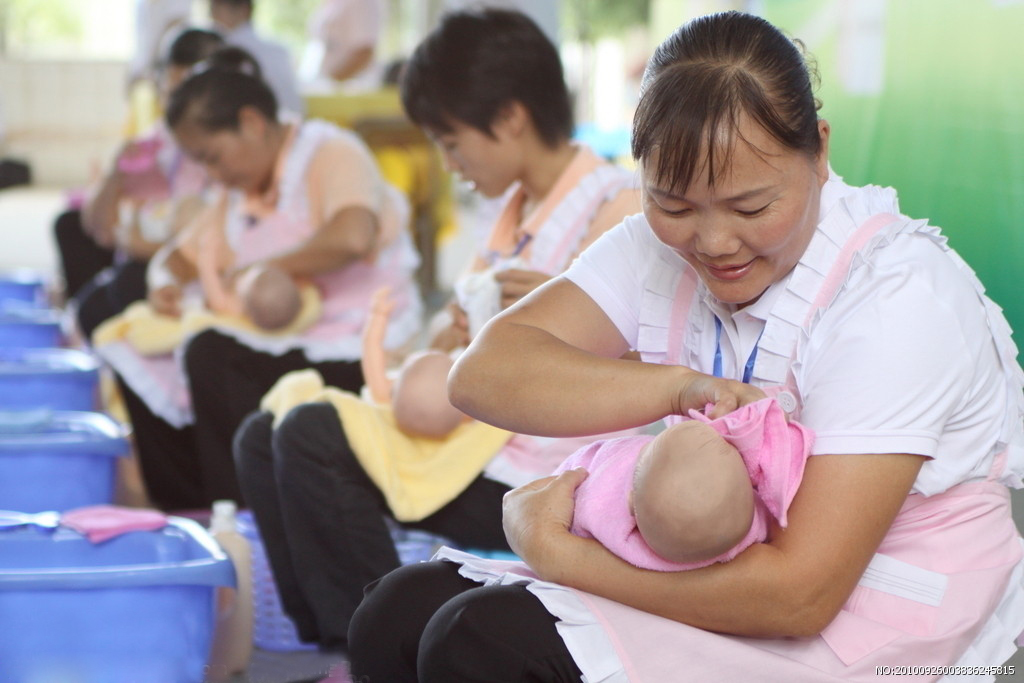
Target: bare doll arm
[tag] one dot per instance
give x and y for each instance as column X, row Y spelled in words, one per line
column 374, row 360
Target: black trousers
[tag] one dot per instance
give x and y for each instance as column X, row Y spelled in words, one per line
column 425, row 622
column 190, row 468
column 108, row 293
column 80, row 257
column 322, row 522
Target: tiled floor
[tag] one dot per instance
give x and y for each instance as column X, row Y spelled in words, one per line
column 289, row 667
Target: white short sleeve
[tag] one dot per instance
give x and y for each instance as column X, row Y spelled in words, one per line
column 897, row 365
column 613, row 271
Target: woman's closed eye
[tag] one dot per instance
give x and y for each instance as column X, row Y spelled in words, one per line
column 680, row 211
column 753, row 212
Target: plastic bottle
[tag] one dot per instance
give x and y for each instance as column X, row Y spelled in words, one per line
column 232, row 637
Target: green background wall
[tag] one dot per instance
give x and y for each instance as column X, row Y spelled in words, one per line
column 946, row 127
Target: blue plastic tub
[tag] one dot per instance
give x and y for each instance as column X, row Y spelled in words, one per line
column 23, row 326
column 272, row 629
column 60, row 379
column 138, row 608
column 57, row 460
column 23, row 284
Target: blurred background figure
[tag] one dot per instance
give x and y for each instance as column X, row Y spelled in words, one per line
column 342, row 48
column 12, row 171
column 233, row 20
column 155, row 20
column 148, row 191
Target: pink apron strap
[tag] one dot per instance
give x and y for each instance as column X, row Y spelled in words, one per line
column 841, row 267
column 681, row 303
column 559, row 258
column 833, row 281
column 995, row 472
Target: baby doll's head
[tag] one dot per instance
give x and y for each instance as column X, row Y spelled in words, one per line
column 691, row 496
column 420, row 396
column 270, row 297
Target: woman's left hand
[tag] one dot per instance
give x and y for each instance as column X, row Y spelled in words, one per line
column 537, row 512
column 516, row 283
column 700, row 390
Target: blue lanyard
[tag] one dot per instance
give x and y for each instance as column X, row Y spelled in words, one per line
column 748, row 369
column 493, row 256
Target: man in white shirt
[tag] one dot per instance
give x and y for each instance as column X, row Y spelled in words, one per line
column 233, row 19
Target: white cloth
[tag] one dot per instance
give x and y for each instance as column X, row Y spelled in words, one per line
column 926, row 388
column 275, row 63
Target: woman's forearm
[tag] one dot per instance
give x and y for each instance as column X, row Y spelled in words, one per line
column 792, row 585
column 750, row 596
column 351, row 235
column 548, row 387
column 101, row 212
column 347, row 64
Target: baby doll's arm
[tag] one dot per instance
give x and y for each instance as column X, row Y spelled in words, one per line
column 374, row 359
column 219, row 298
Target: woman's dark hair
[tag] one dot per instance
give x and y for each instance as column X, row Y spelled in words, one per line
column 212, row 96
column 476, row 62
column 193, row 45
column 707, row 75
column 236, row 3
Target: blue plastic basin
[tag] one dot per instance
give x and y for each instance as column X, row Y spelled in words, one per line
column 23, row 284
column 23, row 326
column 60, row 379
column 138, row 608
column 57, row 460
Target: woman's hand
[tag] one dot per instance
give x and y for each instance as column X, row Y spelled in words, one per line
column 454, row 335
column 538, row 512
column 725, row 395
column 166, row 300
column 516, row 283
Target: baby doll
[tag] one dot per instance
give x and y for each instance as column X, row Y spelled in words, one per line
column 699, row 492
column 419, row 394
column 269, row 297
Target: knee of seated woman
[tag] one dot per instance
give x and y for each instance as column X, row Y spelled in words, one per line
column 252, row 436
column 205, row 352
column 308, row 424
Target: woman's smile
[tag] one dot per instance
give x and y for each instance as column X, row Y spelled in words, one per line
column 729, row 272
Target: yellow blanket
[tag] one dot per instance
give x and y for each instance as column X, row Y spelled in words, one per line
column 417, row 476
column 153, row 334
